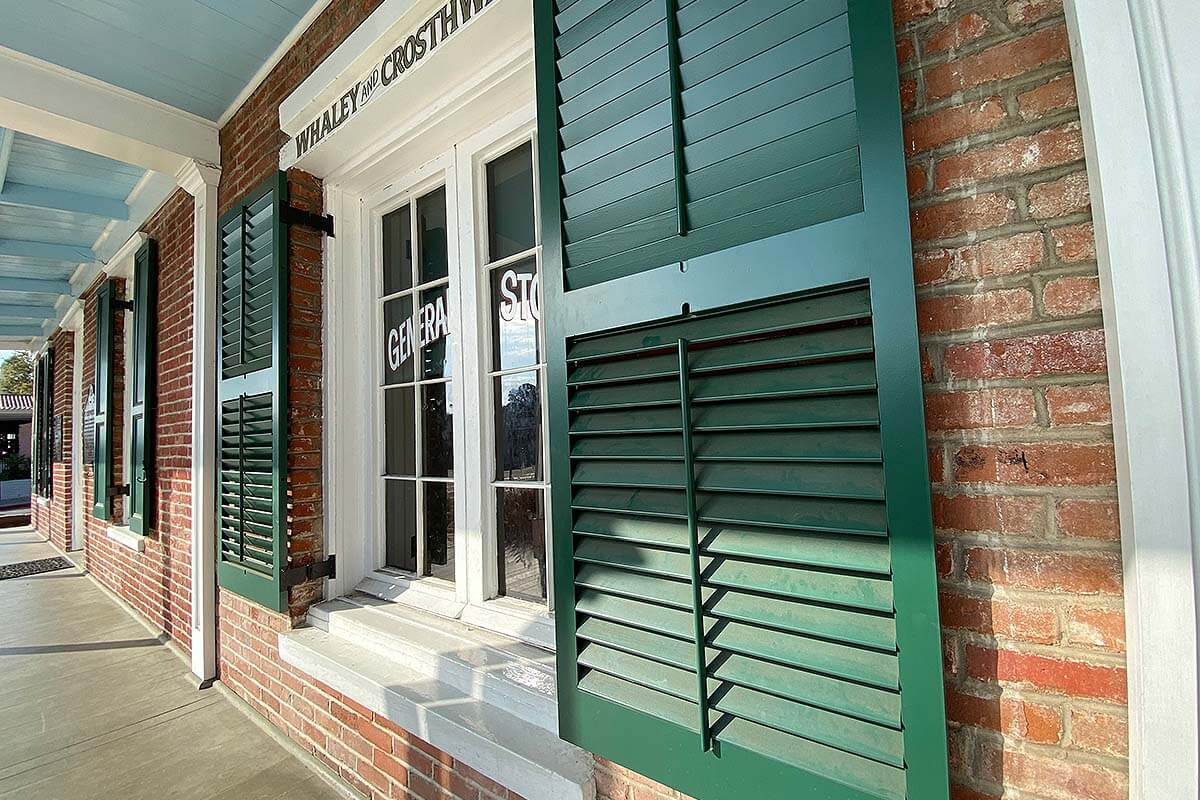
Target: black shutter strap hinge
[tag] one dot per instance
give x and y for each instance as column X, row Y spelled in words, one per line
column 123, row 305
column 120, row 491
column 298, row 575
column 298, row 216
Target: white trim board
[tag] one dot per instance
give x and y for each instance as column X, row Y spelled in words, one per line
column 1136, row 68
column 46, row 100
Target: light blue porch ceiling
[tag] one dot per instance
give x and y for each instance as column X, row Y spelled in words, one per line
column 55, row 204
column 62, row 207
column 196, row 55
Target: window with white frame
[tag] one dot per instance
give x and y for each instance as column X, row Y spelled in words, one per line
column 417, row 387
column 462, row 371
column 516, row 371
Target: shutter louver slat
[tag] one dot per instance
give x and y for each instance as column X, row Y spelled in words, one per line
column 251, row 512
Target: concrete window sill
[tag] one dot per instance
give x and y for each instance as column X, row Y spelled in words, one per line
column 127, row 538
column 449, row 684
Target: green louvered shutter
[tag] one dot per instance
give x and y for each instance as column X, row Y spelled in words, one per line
column 102, row 455
column 744, row 567
column 44, row 417
column 39, row 456
column 48, row 427
column 252, row 429
column 141, row 433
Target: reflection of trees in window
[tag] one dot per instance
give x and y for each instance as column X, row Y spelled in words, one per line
column 522, row 425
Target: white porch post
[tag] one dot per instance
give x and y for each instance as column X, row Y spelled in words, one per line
column 200, row 180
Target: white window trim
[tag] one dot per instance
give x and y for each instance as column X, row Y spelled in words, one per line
column 353, row 510
column 518, row 618
column 1135, row 69
column 471, row 597
column 404, row 191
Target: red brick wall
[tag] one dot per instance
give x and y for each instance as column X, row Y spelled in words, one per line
column 54, row 519
column 1017, row 401
column 156, row 582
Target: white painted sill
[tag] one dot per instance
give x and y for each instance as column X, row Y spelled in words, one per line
column 478, row 696
column 509, row 617
column 43, row 502
column 127, row 538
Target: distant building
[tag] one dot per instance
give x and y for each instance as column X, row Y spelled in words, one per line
column 16, row 424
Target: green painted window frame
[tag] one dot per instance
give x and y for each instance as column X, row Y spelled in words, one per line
column 871, row 247
column 102, row 455
column 266, row 589
column 142, row 387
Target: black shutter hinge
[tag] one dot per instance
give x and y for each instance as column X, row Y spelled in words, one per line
column 298, row 575
column 298, row 216
column 120, row 491
column 123, row 305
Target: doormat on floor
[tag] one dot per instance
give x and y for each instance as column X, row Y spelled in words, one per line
column 24, row 568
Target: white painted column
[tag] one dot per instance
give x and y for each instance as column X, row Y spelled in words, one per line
column 73, row 321
column 1137, row 69
column 201, row 180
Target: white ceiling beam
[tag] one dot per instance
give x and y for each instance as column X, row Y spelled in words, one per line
column 19, row 194
column 43, row 99
column 6, row 143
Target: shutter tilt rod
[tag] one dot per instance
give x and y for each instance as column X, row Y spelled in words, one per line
column 689, row 469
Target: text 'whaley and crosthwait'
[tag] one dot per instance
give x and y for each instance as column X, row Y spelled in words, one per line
column 426, row 38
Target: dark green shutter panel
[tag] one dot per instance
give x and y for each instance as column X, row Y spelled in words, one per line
column 252, row 429
column 48, row 427
column 44, row 413
column 102, row 457
column 744, row 568
column 39, row 456
column 142, row 391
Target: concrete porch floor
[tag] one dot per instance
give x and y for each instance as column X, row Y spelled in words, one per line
column 94, row 706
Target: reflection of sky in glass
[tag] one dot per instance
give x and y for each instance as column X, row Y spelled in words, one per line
column 518, row 343
column 514, row 295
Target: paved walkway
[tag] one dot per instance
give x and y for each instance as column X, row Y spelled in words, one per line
column 93, row 706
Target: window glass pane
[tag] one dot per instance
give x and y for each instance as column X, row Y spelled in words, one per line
column 521, row 532
column 399, row 340
column 439, row 529
column 510, row 203
column 400, row 500
column 397, row 251
column 437, row 429
column 518, row 427
column 431, row 228
column 433, row 331
column 399, row 431
column 515, row 316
